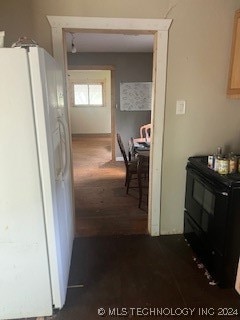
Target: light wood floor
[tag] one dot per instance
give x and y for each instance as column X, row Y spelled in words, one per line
column 102, row 206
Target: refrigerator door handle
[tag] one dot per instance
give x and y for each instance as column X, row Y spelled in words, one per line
column 63, row 140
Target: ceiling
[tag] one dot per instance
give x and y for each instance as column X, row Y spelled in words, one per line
column 109, row 42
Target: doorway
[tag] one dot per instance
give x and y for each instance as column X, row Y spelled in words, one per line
column 90, row 101
column 102, row 206
column 158, row 27
column 110, row 204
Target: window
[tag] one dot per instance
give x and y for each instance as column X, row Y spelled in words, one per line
column 88, row 94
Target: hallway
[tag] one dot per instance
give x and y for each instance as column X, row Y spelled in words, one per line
column 102, row 206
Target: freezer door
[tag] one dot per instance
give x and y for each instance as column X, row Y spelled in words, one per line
column 25, row 287
column 54, row 157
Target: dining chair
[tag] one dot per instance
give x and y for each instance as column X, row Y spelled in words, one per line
column 145, row 131
column 131, row 150
column 131, row 166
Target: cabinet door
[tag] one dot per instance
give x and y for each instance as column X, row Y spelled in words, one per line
column 234, row 71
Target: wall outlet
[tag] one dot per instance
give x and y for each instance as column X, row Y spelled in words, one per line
column 180, row 107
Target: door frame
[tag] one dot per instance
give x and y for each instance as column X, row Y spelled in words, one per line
column 110, row 68
column 158, row 27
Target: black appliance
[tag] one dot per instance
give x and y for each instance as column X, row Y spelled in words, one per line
column 212, row 219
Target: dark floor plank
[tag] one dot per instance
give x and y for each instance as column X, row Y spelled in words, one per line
column 140, row 271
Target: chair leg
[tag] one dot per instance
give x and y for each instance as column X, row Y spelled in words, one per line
column 129, row 176
column 139, row 190
column 125, row 180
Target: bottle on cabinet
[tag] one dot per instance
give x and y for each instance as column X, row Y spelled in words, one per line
column 224, row 164
column 233, row 161
column 216, row 158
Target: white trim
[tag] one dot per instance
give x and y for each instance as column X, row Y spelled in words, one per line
column 94, row 23
column 158, row 27
column 157, row 120
column 119, row 159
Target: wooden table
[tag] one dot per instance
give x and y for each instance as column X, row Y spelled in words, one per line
column 143, row 153
column 138, row 149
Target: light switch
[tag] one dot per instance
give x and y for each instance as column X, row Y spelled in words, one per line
column 180, row 106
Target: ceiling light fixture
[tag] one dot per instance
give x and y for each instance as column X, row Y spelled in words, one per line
column 74, row 49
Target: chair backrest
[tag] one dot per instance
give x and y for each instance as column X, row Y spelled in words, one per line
column 131, row 153
column 148, row 129
column 145, row 131
column 122, row 149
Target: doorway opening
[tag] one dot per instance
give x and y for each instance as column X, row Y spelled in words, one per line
column 158, row 27
column 93, row 119
column 110, row 210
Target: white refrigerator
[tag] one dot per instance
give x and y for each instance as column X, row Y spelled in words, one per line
column 36, row 211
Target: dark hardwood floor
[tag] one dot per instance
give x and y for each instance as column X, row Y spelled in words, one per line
column 102, row 206
column 118, row 274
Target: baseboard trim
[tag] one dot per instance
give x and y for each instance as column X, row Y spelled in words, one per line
column 92, row 135
column 119, row 159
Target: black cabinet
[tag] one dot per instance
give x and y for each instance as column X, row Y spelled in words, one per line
column 212, row 219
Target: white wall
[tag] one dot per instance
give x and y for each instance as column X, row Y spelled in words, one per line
column 199, row 54
column 90, row 120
